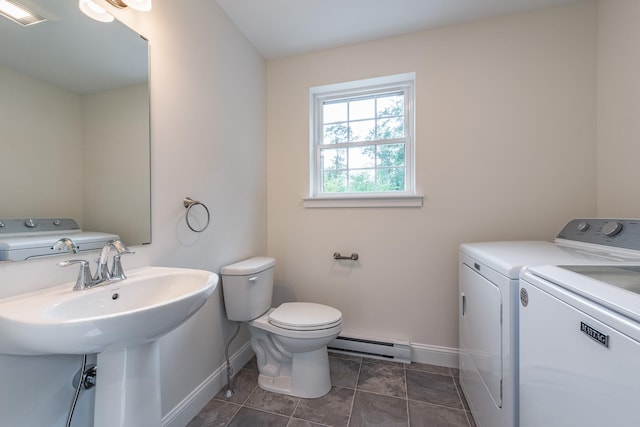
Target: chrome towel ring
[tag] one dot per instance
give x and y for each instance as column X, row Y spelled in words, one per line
column 189, row 203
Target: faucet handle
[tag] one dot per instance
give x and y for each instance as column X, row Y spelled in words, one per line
column 73, row 261
column 84, row 275
column 120, row 247
column 117, row 272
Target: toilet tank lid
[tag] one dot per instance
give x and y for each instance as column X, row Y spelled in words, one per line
column 248, row 266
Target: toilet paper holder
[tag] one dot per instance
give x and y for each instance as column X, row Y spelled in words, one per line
column 353, row 257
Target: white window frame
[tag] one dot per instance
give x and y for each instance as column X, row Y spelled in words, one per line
column 317, row 95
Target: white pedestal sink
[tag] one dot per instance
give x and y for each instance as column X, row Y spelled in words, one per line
column 121, row 322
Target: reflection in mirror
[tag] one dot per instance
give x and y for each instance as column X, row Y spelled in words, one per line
column 74, row 122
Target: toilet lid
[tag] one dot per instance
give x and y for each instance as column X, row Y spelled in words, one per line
column 305, row 316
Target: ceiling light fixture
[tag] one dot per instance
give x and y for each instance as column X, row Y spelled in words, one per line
column 19, row 13
column 93, row 10
column 141, row 5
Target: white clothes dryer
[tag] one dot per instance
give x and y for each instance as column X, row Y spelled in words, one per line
column 488, row 319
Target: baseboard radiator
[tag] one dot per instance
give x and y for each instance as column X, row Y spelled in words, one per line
column 395, row 350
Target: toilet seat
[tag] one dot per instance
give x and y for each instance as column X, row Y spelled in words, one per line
column 304, row 316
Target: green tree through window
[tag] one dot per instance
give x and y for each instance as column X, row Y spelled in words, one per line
column 385, row 161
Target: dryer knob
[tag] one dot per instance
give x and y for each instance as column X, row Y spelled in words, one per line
column 30, row 223
column 611, row 228
column 583, row 226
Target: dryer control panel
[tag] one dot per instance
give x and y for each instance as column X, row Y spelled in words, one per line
column 618, row 233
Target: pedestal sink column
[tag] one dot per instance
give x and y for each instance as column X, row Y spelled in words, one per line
column 128, row 387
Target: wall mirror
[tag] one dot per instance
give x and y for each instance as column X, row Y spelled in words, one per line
column 74, row 122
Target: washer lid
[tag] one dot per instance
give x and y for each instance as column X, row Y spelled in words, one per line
column 304, row 315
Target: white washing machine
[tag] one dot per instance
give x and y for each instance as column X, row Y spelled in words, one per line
column 580, row 346
column 488, row 321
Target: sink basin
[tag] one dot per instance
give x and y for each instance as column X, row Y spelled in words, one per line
column 151, row 302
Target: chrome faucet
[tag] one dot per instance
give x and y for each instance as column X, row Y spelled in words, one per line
column 103, row 275
column 65, row 242
column 117, row 272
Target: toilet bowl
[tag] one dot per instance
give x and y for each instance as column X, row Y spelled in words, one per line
column 290, row 341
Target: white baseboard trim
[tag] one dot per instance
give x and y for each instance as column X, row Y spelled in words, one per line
column 193, row 403
column 435, row 355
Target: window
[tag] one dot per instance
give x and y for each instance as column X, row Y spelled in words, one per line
column 362, row 143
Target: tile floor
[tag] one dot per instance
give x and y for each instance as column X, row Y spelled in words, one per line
column 365, row 392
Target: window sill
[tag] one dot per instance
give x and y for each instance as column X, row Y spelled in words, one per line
column 383, row 201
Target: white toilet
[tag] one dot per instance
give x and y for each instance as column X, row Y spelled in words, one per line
column 290, row 341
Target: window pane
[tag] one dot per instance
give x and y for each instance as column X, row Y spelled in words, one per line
column 391, row 105
column 363, row 131
column 362, row 109
column 333, row 158
column 362, row 157
column 390, row 155
column 362, row 136
column 392, row 127
column 335, row 133
column 336, row 112
column 334, row 182
column 362, row 180
column 391, row 179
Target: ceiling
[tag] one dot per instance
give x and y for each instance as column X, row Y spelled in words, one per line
column 280, row 28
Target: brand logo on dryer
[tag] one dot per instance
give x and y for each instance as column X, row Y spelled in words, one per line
column 594, row 334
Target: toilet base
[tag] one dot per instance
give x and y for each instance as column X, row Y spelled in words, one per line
column 295, row 363
column 309, row 376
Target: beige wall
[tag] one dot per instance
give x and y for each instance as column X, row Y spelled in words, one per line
column 618, row 108
column 208, row 126
column 41, row 127
column 115, row 126
column 506, row 149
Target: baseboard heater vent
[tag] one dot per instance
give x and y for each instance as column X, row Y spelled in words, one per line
column 395, row 350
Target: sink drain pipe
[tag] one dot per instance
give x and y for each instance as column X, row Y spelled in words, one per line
column 229, row 391
column 77, row 392
column 85, row 379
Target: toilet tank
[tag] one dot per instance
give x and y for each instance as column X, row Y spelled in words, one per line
column 247, row 288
